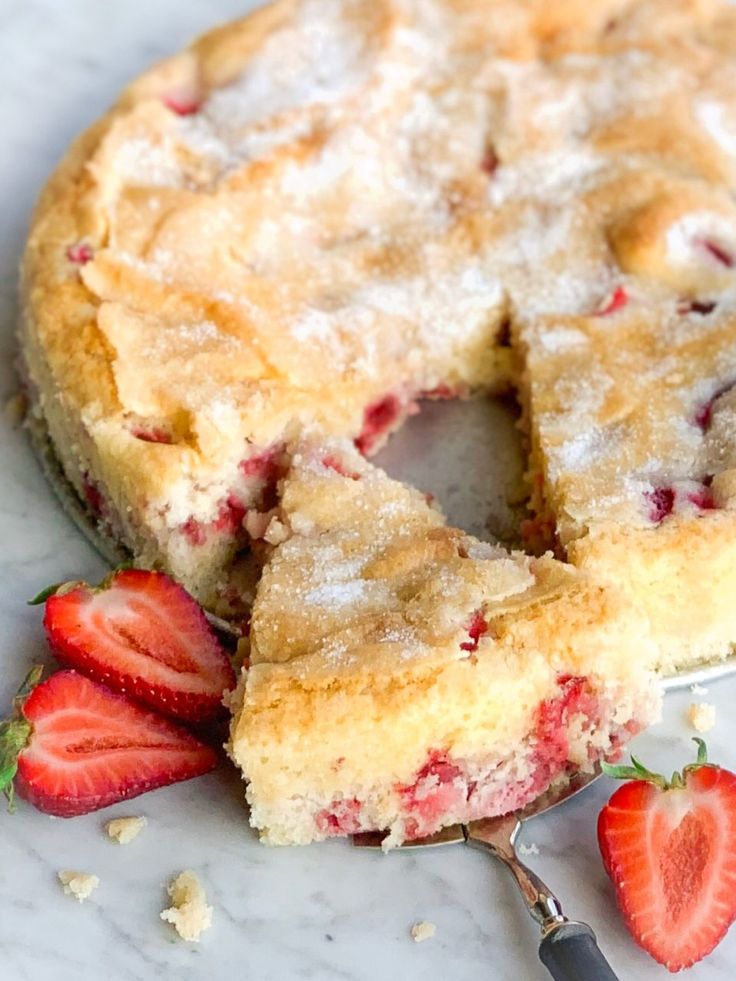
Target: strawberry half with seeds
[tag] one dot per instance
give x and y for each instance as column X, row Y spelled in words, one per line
column 142, row 634
column 670, row 850
column 73, row 746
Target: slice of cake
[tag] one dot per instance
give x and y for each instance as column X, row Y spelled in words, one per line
column 403, row 675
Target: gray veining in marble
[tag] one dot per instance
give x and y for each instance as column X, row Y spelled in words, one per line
column 324, row 912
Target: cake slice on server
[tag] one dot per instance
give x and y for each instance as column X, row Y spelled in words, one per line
column 402, row 675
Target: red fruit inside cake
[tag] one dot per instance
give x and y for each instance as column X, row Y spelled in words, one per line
column 403, row 675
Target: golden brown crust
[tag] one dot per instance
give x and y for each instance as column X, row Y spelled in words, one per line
column 323, row 203
column 380, row 636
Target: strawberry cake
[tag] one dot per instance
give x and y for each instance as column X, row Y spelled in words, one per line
column 404, row 675
column 321, row 214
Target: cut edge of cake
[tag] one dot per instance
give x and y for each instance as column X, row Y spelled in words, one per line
column 401, row 675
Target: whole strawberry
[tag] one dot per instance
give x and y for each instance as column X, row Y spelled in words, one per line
column 670, row 850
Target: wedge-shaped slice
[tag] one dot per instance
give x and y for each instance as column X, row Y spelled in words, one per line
column 404, row 675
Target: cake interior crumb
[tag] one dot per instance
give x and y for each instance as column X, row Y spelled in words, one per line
column 189, row 913
column 81, row 885
column 702, row 716
column 125, row 829
column 422, row 930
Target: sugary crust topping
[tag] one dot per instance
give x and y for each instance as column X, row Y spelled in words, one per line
column 368, row 580
column 318, row 213
column 371, row 185
column 401, row 674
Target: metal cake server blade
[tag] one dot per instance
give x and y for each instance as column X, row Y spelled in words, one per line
column 568, row 948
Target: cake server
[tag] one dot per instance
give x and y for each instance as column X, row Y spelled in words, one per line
column 568, row 948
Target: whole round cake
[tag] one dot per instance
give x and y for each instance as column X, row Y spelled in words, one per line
column 317, row 216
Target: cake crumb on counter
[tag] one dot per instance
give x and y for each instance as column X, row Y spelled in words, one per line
column 81, row 885
column 422, row 930
column 530, row 849
column 189, row 915
column 702, row 716
column 124, row 830
column 698, row 690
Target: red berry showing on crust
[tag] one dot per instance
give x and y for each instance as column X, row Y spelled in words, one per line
column 704, row 415
column 442, row 393
column 142, row 634
column 152, row 434
column 717, row 252
column 476, row 628
column 268, row 466
column 438, row 787
column 182, row 105
column 670, row 850
column 93, row 496
column 230, row 516
column 80, row 253
column 616, row 301
column 332, row 462
column 85, row 747
column 342, row 817
column 703, row 499
column 489, row 161
column 701, row 307
column 662, row 501
column 379, row 418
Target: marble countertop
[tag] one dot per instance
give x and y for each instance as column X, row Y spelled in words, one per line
column 324, row 912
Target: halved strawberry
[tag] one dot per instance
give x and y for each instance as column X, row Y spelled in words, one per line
column 77, row 747
column 142, row 634
column 670, row 849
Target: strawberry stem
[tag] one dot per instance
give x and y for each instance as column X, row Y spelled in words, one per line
column 14, row 735
column 68, row 584
column 637, row 770
column 57, row 587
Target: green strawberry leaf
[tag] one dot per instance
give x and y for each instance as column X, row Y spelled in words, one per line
column 14, row 735
column 637, row 770
column 56, row 589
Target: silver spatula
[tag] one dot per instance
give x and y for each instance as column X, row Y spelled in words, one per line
column 568, row 949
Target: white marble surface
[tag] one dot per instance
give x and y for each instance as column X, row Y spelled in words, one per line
column 326, row 912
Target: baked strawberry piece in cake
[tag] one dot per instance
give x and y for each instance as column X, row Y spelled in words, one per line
column 403, row 675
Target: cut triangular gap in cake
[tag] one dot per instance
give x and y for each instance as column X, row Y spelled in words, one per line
column 402, row 675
